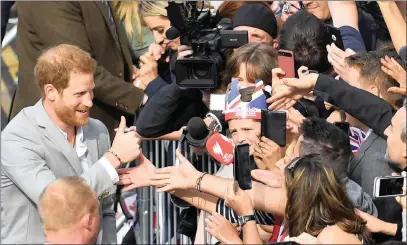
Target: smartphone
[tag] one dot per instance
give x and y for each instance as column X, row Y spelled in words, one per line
column 344, row 126
column 334, row 36
column 242, row 167
column 274, row 126
column 389, row 186
column 286, row 62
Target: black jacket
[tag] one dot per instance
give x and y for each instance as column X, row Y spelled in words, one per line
column 369, row 109
column 169, row 110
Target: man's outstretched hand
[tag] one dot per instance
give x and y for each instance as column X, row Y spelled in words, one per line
column 289, row 90
column 136, row 177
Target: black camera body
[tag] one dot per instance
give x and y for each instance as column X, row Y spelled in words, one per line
column 210, row 41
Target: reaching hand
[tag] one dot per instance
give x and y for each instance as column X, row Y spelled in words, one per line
column 337, row 58
column 293, row 90
column 136, row 177
column 392, row 68
column 148, row 69
column 156, row 51
column 401, row 199
column 184, row 51
column 183, row 176
column 269, row 178
column 222, row 229
column 240, row 201
column 269, row 153
column 373, row 224
column 126, row 145
column 305, row 238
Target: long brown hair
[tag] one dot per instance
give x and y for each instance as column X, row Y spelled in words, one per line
column 316, row 199
column 260, row 59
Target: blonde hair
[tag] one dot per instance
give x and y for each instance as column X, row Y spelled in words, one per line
column 55, row 65
column 128, row 13
column 64, row 202
column 153, row 8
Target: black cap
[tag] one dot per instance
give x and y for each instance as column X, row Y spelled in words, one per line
column 257, row 16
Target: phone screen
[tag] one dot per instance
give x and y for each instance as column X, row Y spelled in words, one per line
column 286, row 62
column 390, row 186
column 242, row 167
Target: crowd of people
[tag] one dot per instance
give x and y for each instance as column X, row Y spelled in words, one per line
column 97, row 78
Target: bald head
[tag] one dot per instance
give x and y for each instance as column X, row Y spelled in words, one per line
column 55, row 66
column 64, row 202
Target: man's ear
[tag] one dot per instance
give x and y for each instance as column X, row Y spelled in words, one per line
column 275, row 43
column 86, row 221
column 51, row 93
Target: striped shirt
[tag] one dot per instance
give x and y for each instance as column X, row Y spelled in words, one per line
column 262, row 218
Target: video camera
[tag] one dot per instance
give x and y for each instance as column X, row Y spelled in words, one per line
column 210, row 41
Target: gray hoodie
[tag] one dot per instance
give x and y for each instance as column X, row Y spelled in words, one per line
column 360, row 199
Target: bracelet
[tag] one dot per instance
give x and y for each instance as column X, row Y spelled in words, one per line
column 115, row 154
column 198, row 182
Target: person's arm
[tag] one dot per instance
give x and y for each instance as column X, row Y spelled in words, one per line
column 337, row 10
column 395, row 22
column 29, row 170
column 264, row 198
column 169, row 110
column 371, row 110
column 109, row 88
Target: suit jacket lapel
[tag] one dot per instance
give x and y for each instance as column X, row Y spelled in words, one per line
column 361, row 153
column 91, row 144
column 123, row 40
column 102, row 9
column 52, row 132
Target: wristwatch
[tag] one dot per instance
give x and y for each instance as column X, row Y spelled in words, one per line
column 242, row 220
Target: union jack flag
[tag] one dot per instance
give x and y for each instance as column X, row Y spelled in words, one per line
column 235, row 108
column 356, row 136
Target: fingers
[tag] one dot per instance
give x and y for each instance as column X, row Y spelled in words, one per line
column 147, row 59
column 124, row 170
column 161, row 183
column 125, row 181
column 397, row 90
column 302, row 71
column 156, row 51
column 278, row 72
column 130, row 187
column 122, row 125
column 166, row 188
column 267, row 177
column 350, row 52
column 166, row 170
column 179, row 155
column 268, row 141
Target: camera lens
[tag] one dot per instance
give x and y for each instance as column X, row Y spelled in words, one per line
column 200, row 71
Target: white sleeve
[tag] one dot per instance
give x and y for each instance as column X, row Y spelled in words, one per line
column 110, row 169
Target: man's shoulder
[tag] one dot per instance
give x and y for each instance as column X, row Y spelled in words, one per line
column 24, row 121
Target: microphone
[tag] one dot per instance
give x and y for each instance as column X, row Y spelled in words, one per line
column 197, row 132
column 219, row 147
column 172, row 33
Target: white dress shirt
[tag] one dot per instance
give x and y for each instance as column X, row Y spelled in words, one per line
column 82, row 152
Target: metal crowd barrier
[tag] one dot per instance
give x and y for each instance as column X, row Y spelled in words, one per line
column 158, row 218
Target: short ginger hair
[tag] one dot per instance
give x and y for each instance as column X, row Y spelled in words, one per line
column 55, row 65
column 64, row 202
